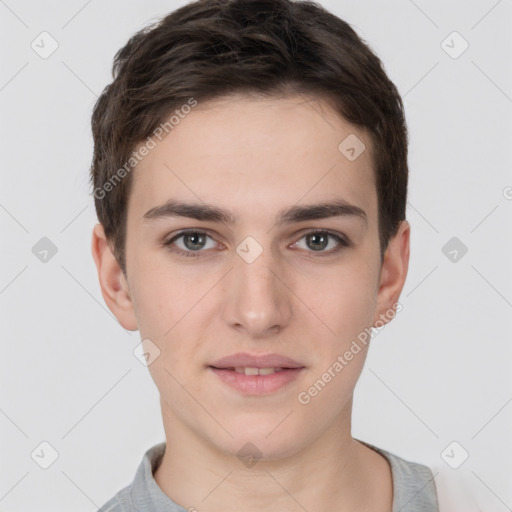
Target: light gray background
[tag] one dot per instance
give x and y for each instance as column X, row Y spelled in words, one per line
column 440, row 372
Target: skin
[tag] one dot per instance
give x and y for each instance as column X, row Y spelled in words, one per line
column 254, row 157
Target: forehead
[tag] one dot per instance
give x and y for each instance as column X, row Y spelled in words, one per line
column 248, row 153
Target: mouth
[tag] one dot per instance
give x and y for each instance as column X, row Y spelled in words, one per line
column 246, row 370
column 256, row 374
column 256, row 381
column 243, row 361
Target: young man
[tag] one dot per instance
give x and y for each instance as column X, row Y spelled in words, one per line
column 250, row 178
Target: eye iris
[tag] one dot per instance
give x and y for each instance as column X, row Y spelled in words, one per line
column 316, row 236
column 195, row 236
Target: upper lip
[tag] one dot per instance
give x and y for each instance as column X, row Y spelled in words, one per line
column 241, row 359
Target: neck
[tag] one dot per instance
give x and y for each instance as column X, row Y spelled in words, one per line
column 334, row 471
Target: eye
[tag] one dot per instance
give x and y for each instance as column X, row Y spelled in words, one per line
column 318, row 239
column 193, row 242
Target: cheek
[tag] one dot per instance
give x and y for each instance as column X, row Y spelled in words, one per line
column 167, row 308
column 344, row 300
column 345, row 305
column 160, row 297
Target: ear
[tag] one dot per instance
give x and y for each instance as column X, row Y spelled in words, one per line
column 392, row 275
column 114, row 286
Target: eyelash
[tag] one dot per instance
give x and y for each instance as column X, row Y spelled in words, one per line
column 195, row 254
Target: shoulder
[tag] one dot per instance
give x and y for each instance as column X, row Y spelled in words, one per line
column 414, row 487
column 143, row 492
column 118, row 503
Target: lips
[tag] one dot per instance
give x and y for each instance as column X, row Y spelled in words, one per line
column 256, row 374
column 245, row 360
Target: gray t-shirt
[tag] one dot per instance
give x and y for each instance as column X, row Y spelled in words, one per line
column 413, row 487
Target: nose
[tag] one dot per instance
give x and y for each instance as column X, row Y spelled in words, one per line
column 257, row 297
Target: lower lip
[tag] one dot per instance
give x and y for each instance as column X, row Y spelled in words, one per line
column 257, row 384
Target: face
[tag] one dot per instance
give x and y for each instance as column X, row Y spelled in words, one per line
column 273, row 276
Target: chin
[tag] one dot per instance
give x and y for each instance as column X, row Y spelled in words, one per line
column 259, row 441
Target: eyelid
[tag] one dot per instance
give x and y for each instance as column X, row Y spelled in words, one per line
column 342, row 240
column 168, row 241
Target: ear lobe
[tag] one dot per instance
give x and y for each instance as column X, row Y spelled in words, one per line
column 114, row 286
column 393, row 274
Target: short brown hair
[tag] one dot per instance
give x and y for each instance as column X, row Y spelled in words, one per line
column 212, row 48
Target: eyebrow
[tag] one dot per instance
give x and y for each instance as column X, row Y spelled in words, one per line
column 207, row 212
